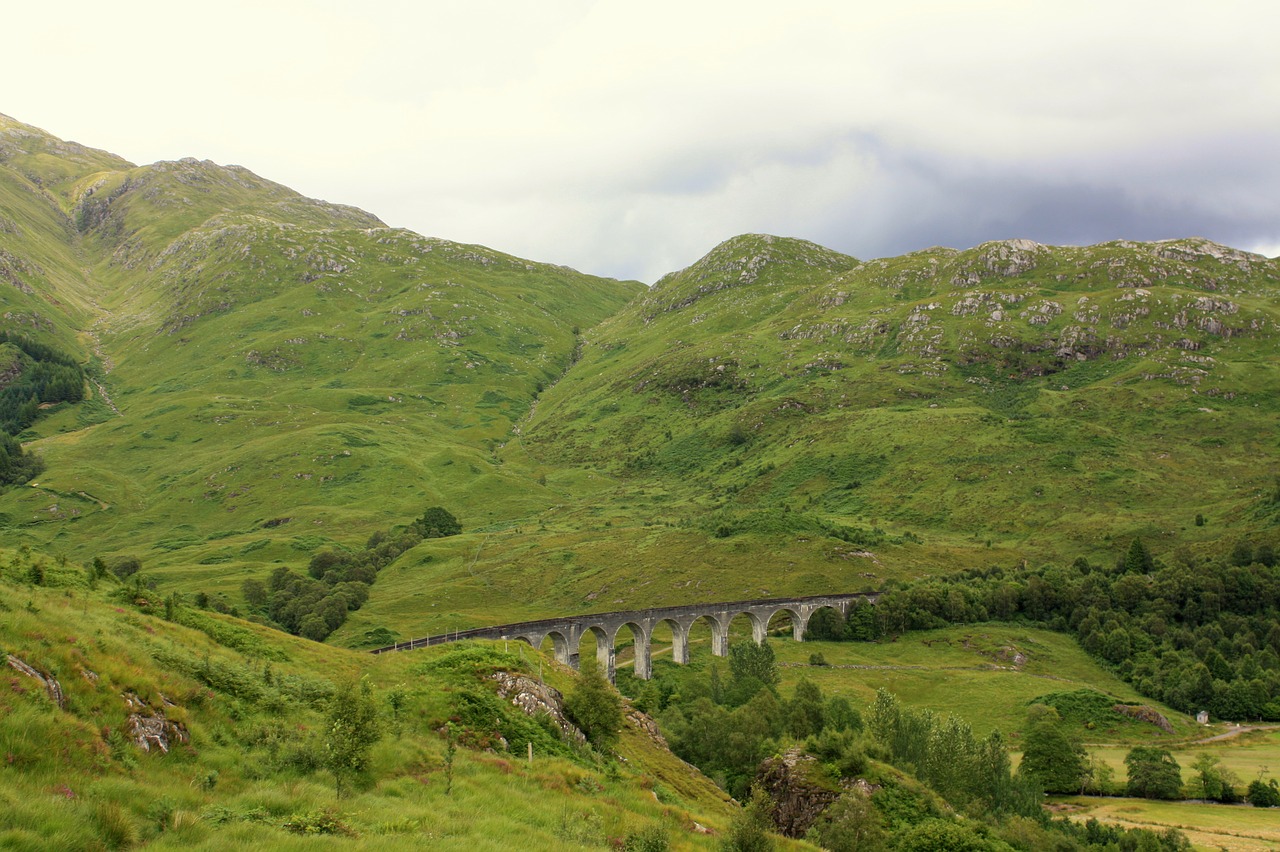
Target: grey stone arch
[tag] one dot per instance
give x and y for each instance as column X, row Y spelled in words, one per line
column 640, row 635
column 679, row 637
column 717, row 621
column 799, row 616
column 840, row 608
column 560, row 644
column 604, row 647
column 757, row 617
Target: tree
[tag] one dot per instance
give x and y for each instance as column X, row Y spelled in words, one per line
column 841, row 715
column 805, row 711
column 1262, row 795
column 1153, row 773
column 862, row 625
column 1050, row 755
column 850, row 824
column 1138, row 560
column 351, row 731
column 749, row 660
column 437, row 522
column 255, row 593
column 594, row 705
column 825, row 625
column 749, row 830
column 1214, row 781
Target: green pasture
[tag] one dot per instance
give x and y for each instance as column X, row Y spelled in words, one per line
column 1236, row 828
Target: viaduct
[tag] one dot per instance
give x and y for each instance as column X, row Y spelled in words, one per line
column 567, row 632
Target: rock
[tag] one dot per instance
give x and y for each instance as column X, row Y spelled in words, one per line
column 148, row 727
column 536, row 699
column 1143, row 713
column 645, row 723
column 799, row 788
column 49, row 682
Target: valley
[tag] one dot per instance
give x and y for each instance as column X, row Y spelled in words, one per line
column 1058, row 462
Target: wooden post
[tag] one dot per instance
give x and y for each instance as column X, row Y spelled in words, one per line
column 530, row 755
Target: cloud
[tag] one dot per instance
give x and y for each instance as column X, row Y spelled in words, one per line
column 627, row 139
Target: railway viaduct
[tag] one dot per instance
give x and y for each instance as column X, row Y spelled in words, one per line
column 568, row 631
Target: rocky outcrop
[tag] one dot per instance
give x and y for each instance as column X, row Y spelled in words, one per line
column 48, row 681
column 537, row 699
column 149, row 728
column 1143, row 713
column 799, row 788
column 644, row 723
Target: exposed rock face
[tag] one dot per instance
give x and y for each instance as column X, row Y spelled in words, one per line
column 49, row 682
column 537, row 699
column 149, row 727
column 1143, row 713
column 646, row 725
column 799, row 790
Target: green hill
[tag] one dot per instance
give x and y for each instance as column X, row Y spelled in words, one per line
column 1043, row 400
column 276, row 386
column 120, row 727
column 265, row 361
column 272, row 374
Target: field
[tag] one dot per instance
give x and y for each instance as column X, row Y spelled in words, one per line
column 1248, row 755
column 1235, row 828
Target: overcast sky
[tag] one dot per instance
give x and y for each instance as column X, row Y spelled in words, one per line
column 628, row 138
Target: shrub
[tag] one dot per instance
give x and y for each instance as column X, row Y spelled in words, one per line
column 594, row 705
column 655, row 838
column 318, row 822
column 437, row 522
column 1262, row 795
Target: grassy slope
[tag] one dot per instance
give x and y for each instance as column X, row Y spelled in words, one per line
column 956, row 409
column 907, row 393
column 274, row 357
column 278, row 360
column 77, row 791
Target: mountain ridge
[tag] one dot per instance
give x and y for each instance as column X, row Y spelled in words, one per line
column 265, row 359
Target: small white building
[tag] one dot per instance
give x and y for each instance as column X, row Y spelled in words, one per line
column 1202, row 718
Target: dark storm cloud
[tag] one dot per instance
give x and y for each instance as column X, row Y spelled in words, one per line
column 1227, row 190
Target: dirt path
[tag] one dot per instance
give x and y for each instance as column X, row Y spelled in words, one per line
column 107, row 364
column 1234, row 732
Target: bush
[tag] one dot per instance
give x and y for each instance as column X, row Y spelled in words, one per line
column 655, row 838
column 1262, row 795
column 437, row 522
column 749, row 830
column 125, row 566
column 594, row 705
column 318, row 822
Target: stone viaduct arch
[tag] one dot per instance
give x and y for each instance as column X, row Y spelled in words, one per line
column 567, row 633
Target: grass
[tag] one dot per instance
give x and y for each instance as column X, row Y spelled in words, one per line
column 1237, row 828
column 969, row 671
column 244, row 774
column 1249, row 756
column 292, row 375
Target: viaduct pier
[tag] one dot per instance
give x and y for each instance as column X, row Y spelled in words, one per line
column 567, row 632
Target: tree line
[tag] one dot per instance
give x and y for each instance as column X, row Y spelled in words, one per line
column 35, row 375
column 895, row 775
column 1195, row 633
column 336, row 583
